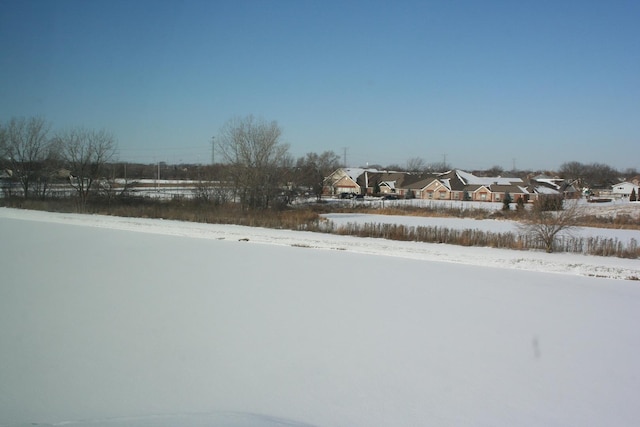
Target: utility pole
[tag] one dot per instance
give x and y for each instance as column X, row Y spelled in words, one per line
column 158, row 178
column 344, row 156
column 213, row 150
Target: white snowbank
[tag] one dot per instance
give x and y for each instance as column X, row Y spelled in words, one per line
column 523, row 260
column 101, row 324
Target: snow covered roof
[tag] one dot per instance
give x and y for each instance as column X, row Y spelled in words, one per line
column 542, row 189
column 447, row 183
column 354, row 173
column 470, row 179
column 550, row 181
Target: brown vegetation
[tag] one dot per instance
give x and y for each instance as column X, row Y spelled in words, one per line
column 308, row 218
column 179, row 210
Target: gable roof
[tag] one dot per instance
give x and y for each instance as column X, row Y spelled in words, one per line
column 353, row 173
column 419, row 184
column 453, row 181
column 390, row 179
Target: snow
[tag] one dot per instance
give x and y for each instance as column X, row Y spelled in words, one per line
column 487, row 225
column 469, row 178
column 121, row 321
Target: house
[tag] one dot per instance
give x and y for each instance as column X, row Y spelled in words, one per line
column 624, row 189
column 461, row 185
column 452, row 185
column 499, row 192
column 377, row 182
column 343, row 180
column 436, row 190
column 365, row 181
column 542, row 185
column 416, row 187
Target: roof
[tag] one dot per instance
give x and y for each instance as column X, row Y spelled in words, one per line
column 454, row 183
column 513, row 189
column 470, row 179
column 453, row 180
column 419, row 184
column 391, row 179
column 353, row 173
column 551, row 182
column 542, row 189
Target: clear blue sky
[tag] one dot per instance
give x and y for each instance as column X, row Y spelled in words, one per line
column 482, row 82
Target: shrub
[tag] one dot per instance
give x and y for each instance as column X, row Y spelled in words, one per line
column 506, row 201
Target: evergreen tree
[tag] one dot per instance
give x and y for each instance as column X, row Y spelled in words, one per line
column 633, row 196
column 506, row 201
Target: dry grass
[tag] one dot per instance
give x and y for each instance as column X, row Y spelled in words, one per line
column 620, row 221
column 429, row 211
column 308, row 218
column 507, row 240
column 180, row 210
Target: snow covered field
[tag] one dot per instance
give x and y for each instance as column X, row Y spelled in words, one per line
column 489, row 225
column 121, row 321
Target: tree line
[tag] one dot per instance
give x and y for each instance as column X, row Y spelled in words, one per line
column 260, row 167
column 255, row 162
column 35, row 156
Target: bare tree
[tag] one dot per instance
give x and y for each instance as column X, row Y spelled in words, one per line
column 630, row 172
column 547, row 225
column 258, row 163
column 573, row 171
column 596, row 175
column 416, row 164
column 438, row 167
column 494, row 170
column 314, row 168
column 25, row 145
column 600, row 175
column 85, row 152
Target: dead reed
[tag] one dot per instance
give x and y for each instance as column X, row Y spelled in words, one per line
column 308, row 218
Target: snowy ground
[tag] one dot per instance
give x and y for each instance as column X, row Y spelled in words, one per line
column 489, row 225
column 120, row 321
